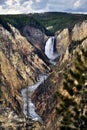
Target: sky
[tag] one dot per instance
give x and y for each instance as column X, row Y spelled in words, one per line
column 32, row 6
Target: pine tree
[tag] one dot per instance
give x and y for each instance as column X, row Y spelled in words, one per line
column 72, row 108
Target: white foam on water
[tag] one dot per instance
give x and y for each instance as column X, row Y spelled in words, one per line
column 49, row 49
column 32, row 113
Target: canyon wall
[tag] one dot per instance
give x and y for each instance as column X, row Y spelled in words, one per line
column 20, row 66
column 67, row 42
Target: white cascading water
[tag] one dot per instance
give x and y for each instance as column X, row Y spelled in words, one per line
column 49, row 49
column 34, row 116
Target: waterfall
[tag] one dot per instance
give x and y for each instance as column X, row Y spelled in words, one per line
column 49, row 49
column 34, row 116
column 29, row 108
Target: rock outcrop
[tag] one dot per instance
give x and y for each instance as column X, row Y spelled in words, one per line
column 69, row 39
column 79, row 31
column 35, row 36
column 63, row 40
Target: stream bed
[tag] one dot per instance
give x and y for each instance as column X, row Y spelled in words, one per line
column 29, row 107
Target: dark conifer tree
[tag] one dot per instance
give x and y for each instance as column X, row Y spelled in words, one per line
column 72, row 108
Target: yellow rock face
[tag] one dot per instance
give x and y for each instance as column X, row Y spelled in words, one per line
column 79, row 31
column 19, row 65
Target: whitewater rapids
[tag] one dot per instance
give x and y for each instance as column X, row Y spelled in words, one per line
column 34, row 116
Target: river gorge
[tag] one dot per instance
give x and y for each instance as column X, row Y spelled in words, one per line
column 29, row 108
column 32, row 63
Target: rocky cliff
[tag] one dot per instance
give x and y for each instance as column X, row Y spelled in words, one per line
column 35, row 36
column 19, row 67
column 68, row 42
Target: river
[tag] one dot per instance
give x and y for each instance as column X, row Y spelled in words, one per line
column 28, row 105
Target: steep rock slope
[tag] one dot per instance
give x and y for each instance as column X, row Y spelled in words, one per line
column 68, row 39
column 19, row 66
column 36, row 36
column 79, row 31
column 67, row 44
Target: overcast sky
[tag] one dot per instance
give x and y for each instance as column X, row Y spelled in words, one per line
column 31, row 6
